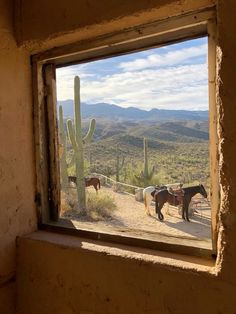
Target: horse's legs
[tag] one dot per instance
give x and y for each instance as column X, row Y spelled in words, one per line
column 183, row 211
column 146, row 204
column 158, row 208
column 186, row 210
column 160, row 215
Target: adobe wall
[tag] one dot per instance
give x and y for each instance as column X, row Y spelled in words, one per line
column 67, row 275
column 43, row 24
column 57, row 278
column 17, row 210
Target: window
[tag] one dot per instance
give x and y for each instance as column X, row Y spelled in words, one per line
column 113, row 157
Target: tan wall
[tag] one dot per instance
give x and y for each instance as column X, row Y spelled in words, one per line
column 43, row 24
column 17, row 213
column 51, row 278
column 227, row 131
column 67, row 275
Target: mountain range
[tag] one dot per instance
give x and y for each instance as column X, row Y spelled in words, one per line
column 110, row 111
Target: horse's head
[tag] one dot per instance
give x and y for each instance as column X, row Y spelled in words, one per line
column 202, row 191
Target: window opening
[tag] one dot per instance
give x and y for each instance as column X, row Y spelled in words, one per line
column 137, row 130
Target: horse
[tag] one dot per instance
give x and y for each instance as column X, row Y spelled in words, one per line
column 163, row 196
column 148, row 197
column 88, row 181
column 93, row 181
column 148, row 194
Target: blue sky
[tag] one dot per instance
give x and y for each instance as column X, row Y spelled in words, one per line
column 170, row 77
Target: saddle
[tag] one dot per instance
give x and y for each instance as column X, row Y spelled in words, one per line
column 177, row 193
column 160, row 187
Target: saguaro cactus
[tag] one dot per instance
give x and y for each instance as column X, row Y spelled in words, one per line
column 62, row 153
column 119, row 164
column 145, row 175
column 77, row 141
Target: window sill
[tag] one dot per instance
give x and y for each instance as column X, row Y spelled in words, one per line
column 165, row 254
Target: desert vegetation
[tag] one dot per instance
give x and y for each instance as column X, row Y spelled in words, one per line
column 171, row 157
column 174, row 156
column 133, row 151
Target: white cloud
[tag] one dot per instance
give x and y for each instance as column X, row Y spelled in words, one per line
column 168, row 59
column 183, row 87
column 141, row 84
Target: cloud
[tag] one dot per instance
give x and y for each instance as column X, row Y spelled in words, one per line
column 170, row 80
column 183, row 87
column 167, row 59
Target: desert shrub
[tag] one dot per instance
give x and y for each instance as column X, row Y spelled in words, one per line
column 100, row 206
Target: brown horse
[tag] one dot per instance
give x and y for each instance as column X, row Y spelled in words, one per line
column 88, row 181
column 184, row 198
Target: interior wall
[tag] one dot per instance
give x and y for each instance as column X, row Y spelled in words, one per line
column 17, row 210
column 56, row 279
column 44, row 24
column 226, row 98
column 68, row 275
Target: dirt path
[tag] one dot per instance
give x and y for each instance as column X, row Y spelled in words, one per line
column 130, row 215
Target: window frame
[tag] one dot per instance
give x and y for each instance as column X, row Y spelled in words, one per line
column 156, row 34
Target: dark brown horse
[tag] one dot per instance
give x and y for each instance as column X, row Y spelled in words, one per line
column 88, row 181
column 165, row 196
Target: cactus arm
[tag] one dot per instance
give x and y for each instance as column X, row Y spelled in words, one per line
column 145, row 176
column 72, row 135
column 89, row 135
column 72, row 161
column 77, row 142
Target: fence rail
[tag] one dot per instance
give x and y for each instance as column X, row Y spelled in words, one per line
column 116, row 182
column 195, row 202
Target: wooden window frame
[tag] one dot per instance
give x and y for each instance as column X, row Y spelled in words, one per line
column 156, row 34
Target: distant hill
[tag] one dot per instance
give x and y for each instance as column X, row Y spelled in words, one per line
column 109, row 111
column 160, row 135
column 132, row 141
column 172, row 132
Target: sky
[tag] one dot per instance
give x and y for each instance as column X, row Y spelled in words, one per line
column 170, row 77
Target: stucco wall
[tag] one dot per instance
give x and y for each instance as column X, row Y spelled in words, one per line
column 66, row 275
column 43, row 24
column 227, row 111
column 17, row 210
column 51, row 278
column 60, row 279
